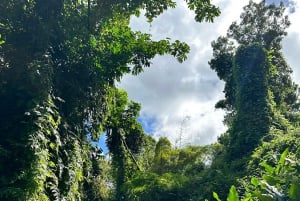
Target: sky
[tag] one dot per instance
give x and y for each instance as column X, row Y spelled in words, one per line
column 178, row 99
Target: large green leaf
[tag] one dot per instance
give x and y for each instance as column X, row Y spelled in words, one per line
column 233, row 194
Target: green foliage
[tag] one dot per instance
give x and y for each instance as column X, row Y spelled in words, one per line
column 258, row 87
column 45, row 143
column 273, row 176
column 146, row 155
column 232, row 196
column 150, row 186
column 204, row 10
column 1, row 40
column 183, row 174
column 278, row 182
column 261, row 104
column 125, row 138
column 162, row 158
column 58, row 66
column 97, row 186
column 260, row 23
column 252, row 102
column 264, row 24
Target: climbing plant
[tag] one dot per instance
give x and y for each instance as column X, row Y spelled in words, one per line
column 59, row 60
column 265, row 24
column 252, row 120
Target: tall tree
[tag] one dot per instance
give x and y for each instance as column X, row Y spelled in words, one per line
column 253, row 104
column 260, row 96
column 163, row 151
column 264, row 24
column 58, row 61
column 125, row 138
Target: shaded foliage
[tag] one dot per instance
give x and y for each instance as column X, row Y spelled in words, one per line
column 59, row 60
column 252, row 120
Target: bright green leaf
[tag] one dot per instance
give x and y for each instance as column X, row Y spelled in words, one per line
column 233, row 195
column 215, row 195
column 254, row 181
column 269, row 169
column 282, row 160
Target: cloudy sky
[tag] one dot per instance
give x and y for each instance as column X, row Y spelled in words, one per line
column 178, row 99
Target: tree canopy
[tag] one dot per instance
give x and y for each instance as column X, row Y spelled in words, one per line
column 59, row 61
column 59, row 64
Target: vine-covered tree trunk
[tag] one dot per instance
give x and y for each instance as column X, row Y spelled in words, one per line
column 252, row 121
column 265, row 24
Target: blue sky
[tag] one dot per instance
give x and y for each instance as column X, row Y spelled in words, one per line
column 102, row 143
column 148, row 123
column 169, row 91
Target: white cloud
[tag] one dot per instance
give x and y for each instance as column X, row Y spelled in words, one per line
column 169, row 91
column 291, row 43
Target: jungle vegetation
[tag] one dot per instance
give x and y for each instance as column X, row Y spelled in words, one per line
column 60, row 61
